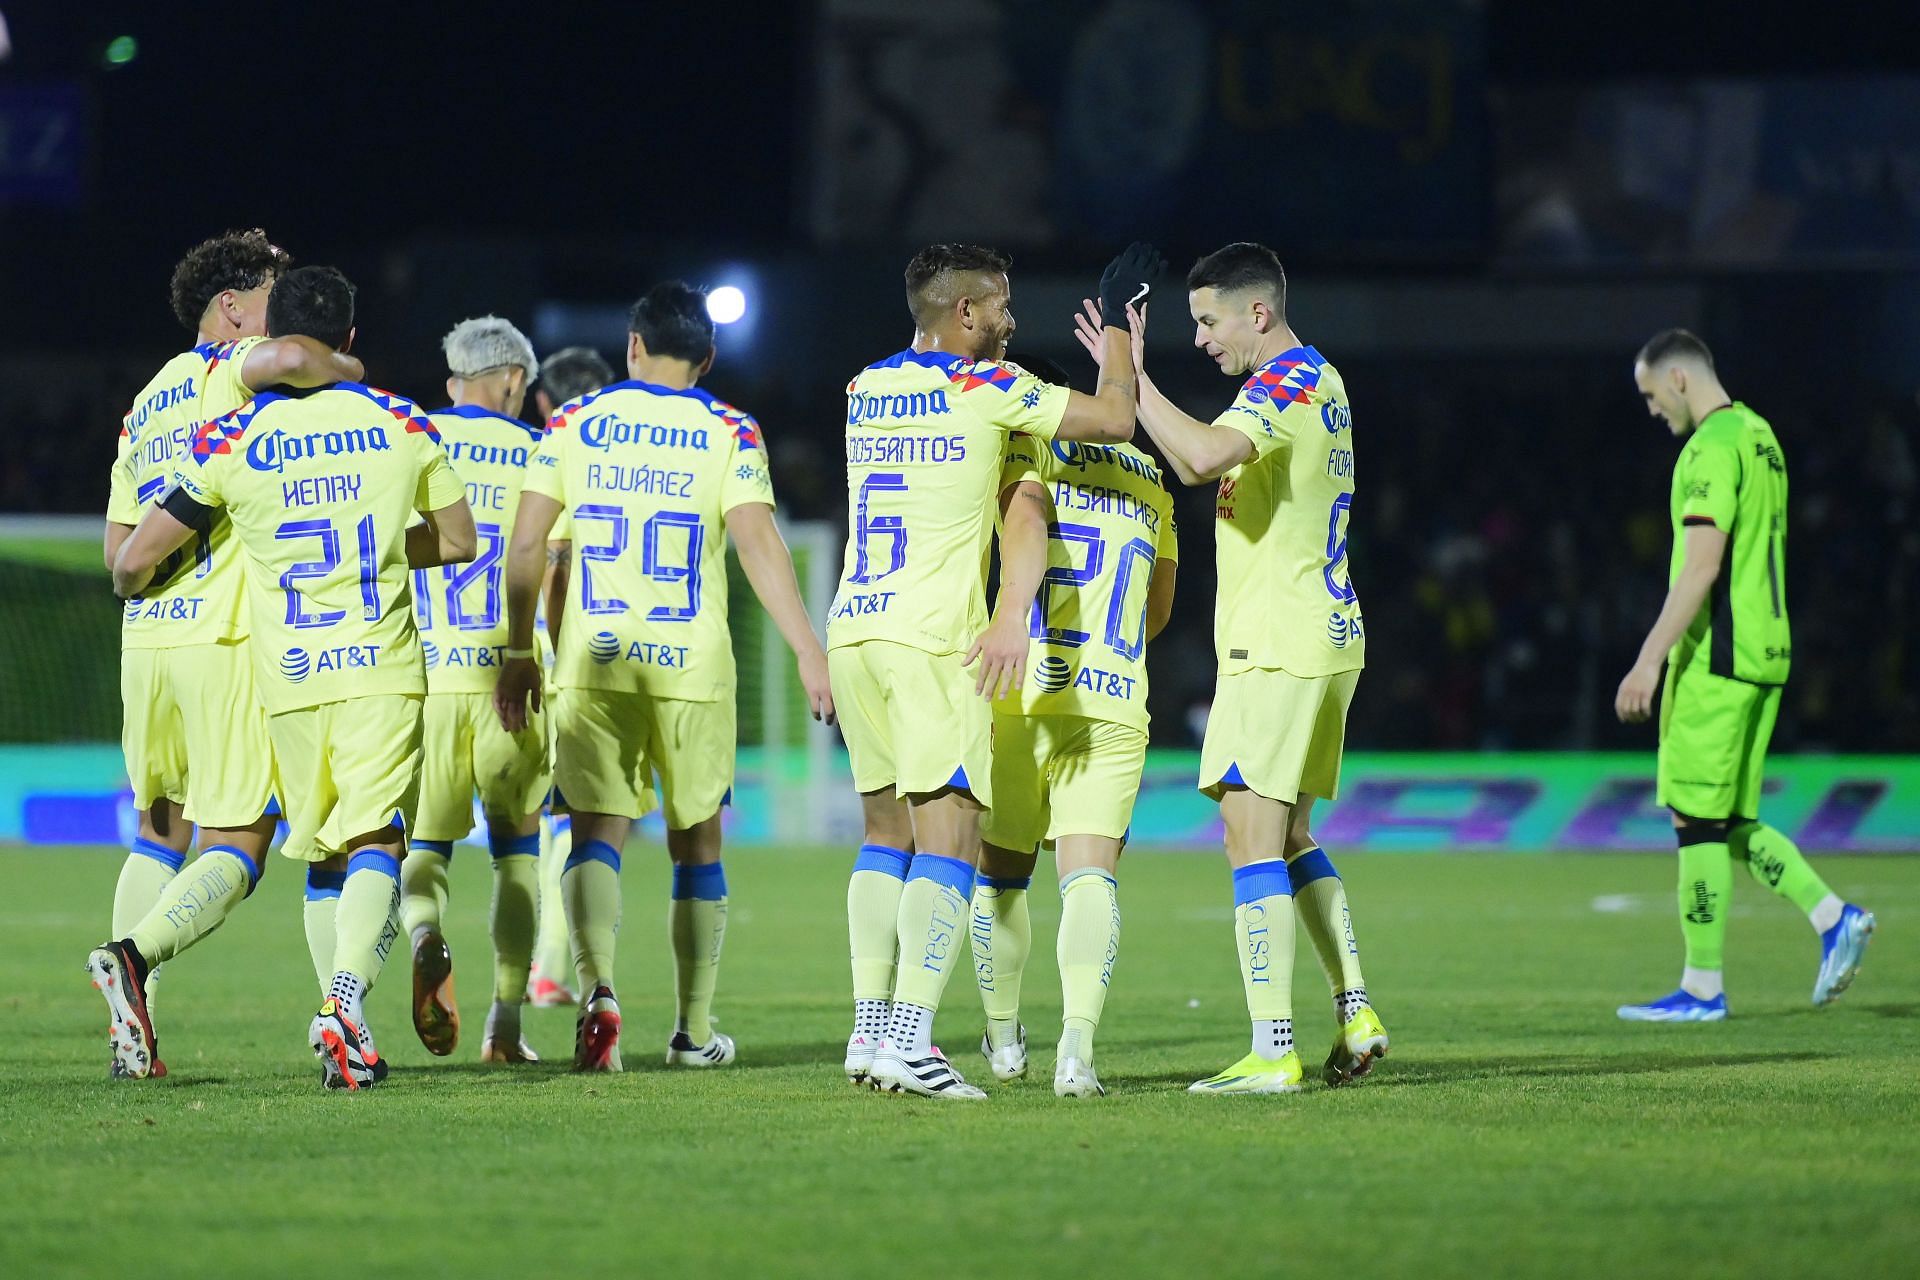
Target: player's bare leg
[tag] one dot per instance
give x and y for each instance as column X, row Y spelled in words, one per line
column 697, row 927
column 1088, row 945
column 933, row 914
column 365, row 928
column 514, row 919
column 1001, row 937
column 590, row 887
column 1320, row 904
column 873, row 921
column 1256, row 828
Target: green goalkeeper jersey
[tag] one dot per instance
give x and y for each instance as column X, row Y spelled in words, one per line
column 1732, row 475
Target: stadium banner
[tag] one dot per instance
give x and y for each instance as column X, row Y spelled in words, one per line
column 1390, row 802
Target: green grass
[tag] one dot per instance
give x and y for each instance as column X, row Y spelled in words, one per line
column 1518, row 1128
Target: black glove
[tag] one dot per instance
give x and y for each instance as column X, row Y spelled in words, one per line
column 1127, row 280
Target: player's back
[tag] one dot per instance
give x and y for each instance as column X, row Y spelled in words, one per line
column 1112, row 519
column 197, row 596
column 320, row 487
column 926, row 435
column 1286, row 594
column 1733, row 473
column 460, row 609
column 646, row 474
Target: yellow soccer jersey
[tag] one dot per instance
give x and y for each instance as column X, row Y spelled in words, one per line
column 1286, row 597
column 461, row 608
column 198, row 594
column 926, row 433
column 1112, row 520
column 320, row 487
column 646, row 475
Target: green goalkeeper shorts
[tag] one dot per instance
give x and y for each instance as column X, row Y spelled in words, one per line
column 1713, row 742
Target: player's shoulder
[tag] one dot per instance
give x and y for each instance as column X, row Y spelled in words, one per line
column 174, row 382
column 220, row 436
column 1292, row 377
column 461, row 420
column 743, row 426
column 568, row 414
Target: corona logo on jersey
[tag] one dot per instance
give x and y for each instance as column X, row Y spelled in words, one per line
column 603, row 430
column 295, row 664
column 274, row 450
column 492, row 454
column 604, row 647
column 430, row 653
column 916, row 404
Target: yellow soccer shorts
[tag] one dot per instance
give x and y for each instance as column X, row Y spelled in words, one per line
column 1059, row 775
column 912, row 721
column 1713, row 743
column 608, row 747
column 194, row 732
column 465, row 750
column 1277, row 734
column 346, row 769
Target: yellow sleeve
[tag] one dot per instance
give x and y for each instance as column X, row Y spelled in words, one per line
column 123, row 491
column 748, row 478
column 547, row 476
column 1011, row 398
column 1022, row 461
column 1169, row 545
column 440, row 486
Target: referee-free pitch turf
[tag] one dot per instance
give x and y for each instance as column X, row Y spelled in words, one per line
column 1517, row 1128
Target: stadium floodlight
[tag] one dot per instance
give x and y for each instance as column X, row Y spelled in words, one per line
column 727, row 304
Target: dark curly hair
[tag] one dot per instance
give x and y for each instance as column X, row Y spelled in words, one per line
column 236, row 260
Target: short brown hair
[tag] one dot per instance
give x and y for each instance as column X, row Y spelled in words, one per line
column 932, row 265
column 1670, row 344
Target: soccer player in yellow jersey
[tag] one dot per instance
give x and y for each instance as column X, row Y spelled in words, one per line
column 1068, row 750
column 1727, row 646
column 567, row 374
column 653, row 474
column 461, row 613
column 320, row 488
column 927, row 431
column 1290, row 642
column 195, row 735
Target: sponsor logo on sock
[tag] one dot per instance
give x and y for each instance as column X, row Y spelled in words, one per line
column 942, row 929
column 1702, row 912
column 982, row 936
column 1259, row 945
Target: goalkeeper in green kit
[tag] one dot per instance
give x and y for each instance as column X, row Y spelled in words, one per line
column 1723, row 638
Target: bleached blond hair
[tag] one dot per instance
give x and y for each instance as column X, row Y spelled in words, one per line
column 485, row 343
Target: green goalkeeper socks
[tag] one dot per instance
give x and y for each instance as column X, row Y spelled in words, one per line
column 1777, row 863
column 1706, row 890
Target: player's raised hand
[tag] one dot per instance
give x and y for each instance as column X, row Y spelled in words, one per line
column 519, row 684
column 813, row 679
column 1127, row 281
column 1001, row 651
column 1634, row 700
column 1137, row 332
column 1086, row 329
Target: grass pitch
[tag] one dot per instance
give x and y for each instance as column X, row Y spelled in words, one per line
column 1517, row 1128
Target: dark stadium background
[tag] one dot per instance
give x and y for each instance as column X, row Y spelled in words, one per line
column 1461, row 240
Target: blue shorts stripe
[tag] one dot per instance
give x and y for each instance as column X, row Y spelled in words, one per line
column 1004, row 882
column 1259, row 880
column 158, row 852
column 950, row 872
column 707, row 882
column 442, row 847
column 593, row 851
column 885, row 859
column 1312, row 865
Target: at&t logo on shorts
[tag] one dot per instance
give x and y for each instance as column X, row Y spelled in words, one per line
column 295, row 664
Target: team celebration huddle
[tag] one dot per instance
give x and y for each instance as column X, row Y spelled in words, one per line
column 350, row 616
